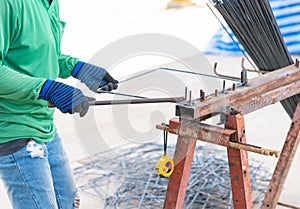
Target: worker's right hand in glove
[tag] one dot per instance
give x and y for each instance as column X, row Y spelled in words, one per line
column 66, row 98
column 94, row 77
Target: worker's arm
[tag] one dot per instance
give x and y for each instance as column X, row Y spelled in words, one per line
column 66, row 65
column 13, row 85
column 93, row 76
column 20, row 87
column 16, row 86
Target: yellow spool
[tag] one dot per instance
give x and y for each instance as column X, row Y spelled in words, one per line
column 164, row 166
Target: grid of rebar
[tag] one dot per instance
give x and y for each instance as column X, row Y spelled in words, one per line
column 127, row 180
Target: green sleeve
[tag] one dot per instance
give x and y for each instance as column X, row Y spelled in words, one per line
column 16, row 86
column 66, row 65
column 13, row 85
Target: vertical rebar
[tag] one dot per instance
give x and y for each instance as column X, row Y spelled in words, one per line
column 224, row 87
column 185, row 93
column 216, row 92
column 233, row 87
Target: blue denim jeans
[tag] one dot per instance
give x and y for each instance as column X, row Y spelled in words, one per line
column 39, row 177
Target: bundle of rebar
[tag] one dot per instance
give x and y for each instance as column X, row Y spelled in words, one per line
column 254, row 25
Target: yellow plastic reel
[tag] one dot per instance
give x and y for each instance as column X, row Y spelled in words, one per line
column 164, row 166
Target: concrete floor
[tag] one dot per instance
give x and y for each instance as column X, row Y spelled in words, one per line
column 103, row 22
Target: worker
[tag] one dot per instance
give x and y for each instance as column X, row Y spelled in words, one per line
column 33, row 165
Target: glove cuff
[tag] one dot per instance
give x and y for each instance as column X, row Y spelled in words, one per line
column 76, row 70
column 44, row 89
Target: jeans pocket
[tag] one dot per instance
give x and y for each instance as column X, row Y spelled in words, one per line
column 36, row 150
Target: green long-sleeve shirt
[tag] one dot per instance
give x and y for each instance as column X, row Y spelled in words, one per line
column 30, row 35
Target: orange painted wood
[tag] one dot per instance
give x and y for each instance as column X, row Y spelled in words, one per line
column 239, row 165
column 178, row 181
column 284, row 163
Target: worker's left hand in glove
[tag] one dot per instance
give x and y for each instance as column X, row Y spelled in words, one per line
column 94, row 77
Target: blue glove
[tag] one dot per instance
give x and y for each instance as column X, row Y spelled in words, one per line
column 94, row 77
column 66, row 98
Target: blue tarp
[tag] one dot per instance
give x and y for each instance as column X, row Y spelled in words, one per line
column 287, row 13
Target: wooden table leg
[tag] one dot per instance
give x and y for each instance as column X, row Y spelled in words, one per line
column 178, row 181
column 239, row 166
column 284, row 163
